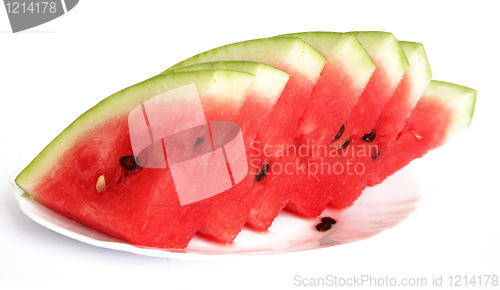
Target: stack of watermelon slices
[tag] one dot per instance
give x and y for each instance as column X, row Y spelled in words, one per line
column 322, row 114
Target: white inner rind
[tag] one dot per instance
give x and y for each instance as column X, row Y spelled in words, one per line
column 419, row 72
column 384, row 48
column 267, row 84
column 459, row 100
column 344, row 48
column 356, row 60
column 323, row 42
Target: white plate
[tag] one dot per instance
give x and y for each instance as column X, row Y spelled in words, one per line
column 379, row 208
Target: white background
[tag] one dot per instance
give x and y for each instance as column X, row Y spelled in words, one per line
column 52, row 73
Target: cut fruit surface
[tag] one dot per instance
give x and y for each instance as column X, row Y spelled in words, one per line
column 262, row 94
column 292, row 55
column 82, row 173
column 373, row 145
column 342, row 81
column 411, row 88
column 391, row 63
column 234, row 135
column 304, row 65
column 443, row 111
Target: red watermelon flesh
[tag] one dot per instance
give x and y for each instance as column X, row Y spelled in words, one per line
column 304, row 65
column 341, row 83
column 241, row 198
column 386, row 52
column 262, row 95
column 443, row 111
column 391, row 67
column 291, row 55
column 80, row 173
column 404, row 100
column 339, row 86
column 372, row 147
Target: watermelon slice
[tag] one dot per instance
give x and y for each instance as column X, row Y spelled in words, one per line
column 443, row 111
column 391, row 62
column 266, row 88
column 363, row 120
column 343, row 80
column 86, row 173
column 93, row 173
column 341, row 83
column 304, row 65
column 291, row 55
column 391, row 122
column 409, row 91
column 262, row 95
column 374, row 145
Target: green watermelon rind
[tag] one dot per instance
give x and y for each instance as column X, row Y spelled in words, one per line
column 234, row 84
column 383, row 46
column 460, row 100
column 419, row 64
column 418, row 75
column 341, row 47
column 323, row 42
column 268, row 83
column 272, row 51
column 419, row 51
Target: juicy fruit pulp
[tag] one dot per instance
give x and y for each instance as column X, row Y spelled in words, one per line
column 443, row 111
column 338, row 89
column 141, row 205
column 368, row 146
column 304, row 65
column 392, row 117
column 391, row 63
column 390, row 123
column 258, row 104
column 324, row 89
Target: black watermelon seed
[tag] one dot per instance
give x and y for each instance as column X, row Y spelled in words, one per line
column 376, row 155
column 323, row 227
column 198, row 142
column 329, row 220
column 128, row 162
column 339, row 134
column 346, row 143
column 262, row 173
column 369, row 137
